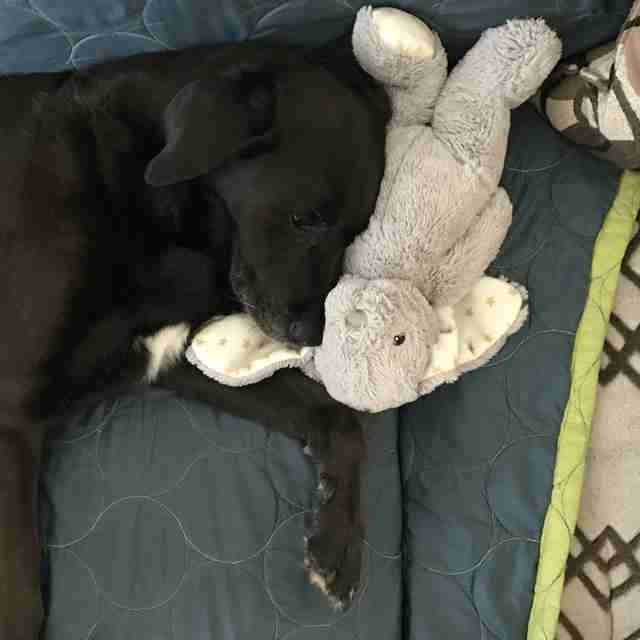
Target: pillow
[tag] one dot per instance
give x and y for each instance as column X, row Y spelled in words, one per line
column 594, row 99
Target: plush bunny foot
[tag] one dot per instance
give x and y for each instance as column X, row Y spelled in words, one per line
column 334, row 529
column 464, row 265
column 403, row 34
column 510, row 61
column 401, row 52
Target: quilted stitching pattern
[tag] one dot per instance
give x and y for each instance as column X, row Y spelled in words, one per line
column 478, row 456
column 171, row 521
column 47, row 35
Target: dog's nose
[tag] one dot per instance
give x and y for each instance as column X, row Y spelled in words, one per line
column 306, row 331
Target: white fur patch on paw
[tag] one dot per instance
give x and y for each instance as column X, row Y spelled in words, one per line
column 323, row 583
column 319, row 581
column 165, row 348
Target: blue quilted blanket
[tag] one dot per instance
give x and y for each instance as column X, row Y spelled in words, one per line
column 47, row 35
column 167, row 520
column 164, row 520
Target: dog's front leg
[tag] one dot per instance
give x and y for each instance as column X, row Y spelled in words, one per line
column 332, row 434
column 335, row 528
column 21, row 612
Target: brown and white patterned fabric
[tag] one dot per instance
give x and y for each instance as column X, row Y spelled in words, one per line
column 601, row 600
column 594, row 98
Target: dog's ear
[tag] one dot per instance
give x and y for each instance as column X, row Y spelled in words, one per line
column 211, row 121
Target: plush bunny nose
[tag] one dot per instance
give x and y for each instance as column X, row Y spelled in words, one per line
column 356, row 319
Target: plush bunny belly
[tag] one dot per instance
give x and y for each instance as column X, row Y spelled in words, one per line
column 428, row 200
column 234, row 351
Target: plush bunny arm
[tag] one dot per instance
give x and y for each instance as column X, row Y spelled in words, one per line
column 403, row 54
column 451, row 278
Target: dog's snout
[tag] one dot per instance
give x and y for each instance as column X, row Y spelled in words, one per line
column 307, row 328
column 298, row 331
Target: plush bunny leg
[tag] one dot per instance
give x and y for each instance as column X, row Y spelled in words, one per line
column 401, row 52
column 468, row 259
column 502, row 70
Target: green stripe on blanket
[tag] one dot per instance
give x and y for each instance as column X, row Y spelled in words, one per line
column 562, row 513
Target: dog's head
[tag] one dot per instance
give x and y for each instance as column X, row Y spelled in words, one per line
column 297, row 156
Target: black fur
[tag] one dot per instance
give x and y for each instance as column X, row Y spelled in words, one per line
column 165, row 189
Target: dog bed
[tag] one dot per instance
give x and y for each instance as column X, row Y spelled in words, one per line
column 165, row 520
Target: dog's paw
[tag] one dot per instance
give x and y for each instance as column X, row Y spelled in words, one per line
column 333, row 548
column 335, row 572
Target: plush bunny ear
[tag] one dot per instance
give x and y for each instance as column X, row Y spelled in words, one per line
column 211, row 121
column 474, row 329
column 444, row 352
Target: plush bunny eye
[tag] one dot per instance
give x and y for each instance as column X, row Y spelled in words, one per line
column 399, row 339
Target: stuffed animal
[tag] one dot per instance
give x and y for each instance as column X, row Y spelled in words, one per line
column 414, row 308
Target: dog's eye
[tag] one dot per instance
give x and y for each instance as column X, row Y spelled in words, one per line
column 399, row 339
column 312, row 219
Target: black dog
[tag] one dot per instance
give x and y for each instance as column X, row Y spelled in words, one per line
column 144, row 196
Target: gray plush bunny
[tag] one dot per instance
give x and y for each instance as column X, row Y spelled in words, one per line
column 414, row 309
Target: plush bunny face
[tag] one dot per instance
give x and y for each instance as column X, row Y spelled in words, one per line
column 377, row 343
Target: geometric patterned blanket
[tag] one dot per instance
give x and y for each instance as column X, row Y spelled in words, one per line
column 601, row 599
